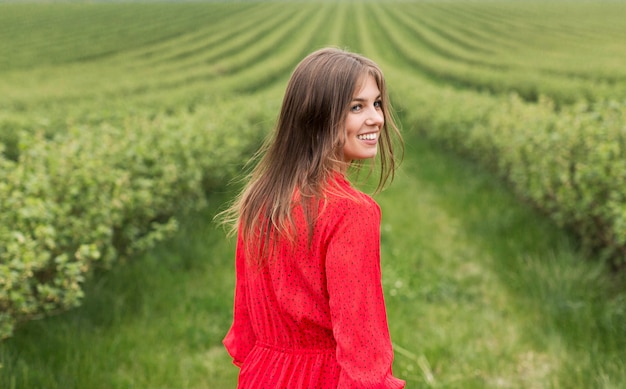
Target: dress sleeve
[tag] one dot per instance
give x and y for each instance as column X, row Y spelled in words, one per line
column 357, row 307
column 240, row 339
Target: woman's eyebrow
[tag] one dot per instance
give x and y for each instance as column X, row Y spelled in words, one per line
column 361, row 99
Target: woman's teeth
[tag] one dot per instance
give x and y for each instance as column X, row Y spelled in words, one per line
column 371, row 136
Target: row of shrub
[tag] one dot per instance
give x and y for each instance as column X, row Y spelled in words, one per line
column 97, row 170
column 81, row 32
column 569, row 162
column 482, row 69
column 99, row 192
column 96, row 193
column 91, row 196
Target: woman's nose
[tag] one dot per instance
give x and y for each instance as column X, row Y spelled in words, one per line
column 376, row 118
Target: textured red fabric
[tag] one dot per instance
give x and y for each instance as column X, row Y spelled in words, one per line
column 314, row 317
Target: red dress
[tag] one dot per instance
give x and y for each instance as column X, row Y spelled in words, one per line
column 314, row 318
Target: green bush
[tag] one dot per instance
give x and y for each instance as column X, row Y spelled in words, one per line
column 91, row 196
column 572, row 163
column 569, row 162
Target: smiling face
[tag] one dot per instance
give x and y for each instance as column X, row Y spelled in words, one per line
column 364, row 122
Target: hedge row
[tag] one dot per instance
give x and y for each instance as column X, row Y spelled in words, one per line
column 90, row 195
column 569, row 162
column 93, row 195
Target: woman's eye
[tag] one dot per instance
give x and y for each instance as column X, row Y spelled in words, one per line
column 356, row 108
column 378, row 104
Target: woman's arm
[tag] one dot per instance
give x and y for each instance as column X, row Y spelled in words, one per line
column 357, row 306
column 240, row 339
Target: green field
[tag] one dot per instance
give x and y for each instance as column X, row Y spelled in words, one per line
column 123, row 124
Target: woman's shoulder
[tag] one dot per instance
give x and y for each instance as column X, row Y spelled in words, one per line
column 340, row 196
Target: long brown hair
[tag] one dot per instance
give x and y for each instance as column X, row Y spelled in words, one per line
column 306, row 147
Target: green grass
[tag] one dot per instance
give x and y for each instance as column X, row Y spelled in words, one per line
column 481, row 291
column 485, row 292
column 154, row 322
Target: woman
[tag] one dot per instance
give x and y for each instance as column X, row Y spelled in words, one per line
column 309, row 310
